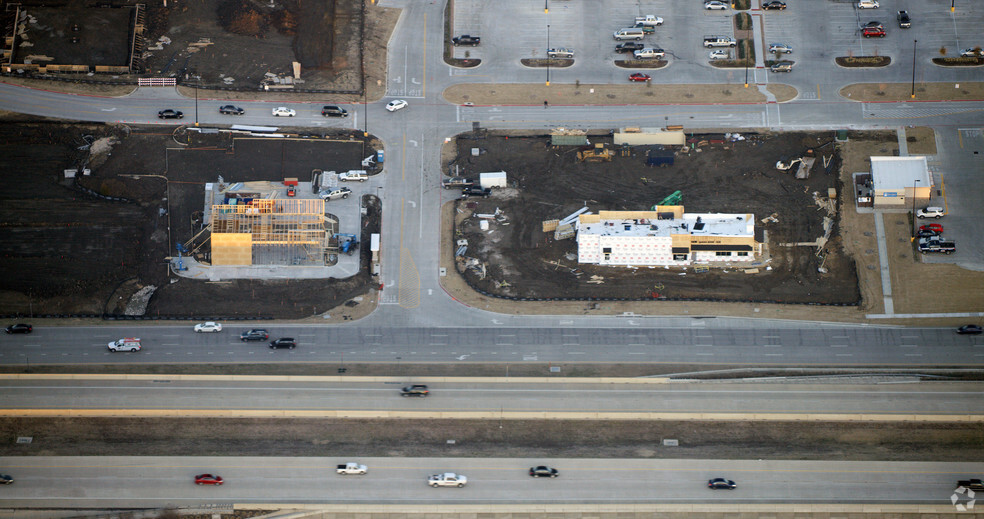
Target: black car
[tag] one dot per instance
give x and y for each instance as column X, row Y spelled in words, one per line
column 476, row 191
column 284, row 342
column 170, row 114
column 721, row 483
column 19, row 328
column 231, row 110
column 466, row 39
column 415, row 390
column 969, row 329
column 256, row 334
column 333, row 111
column 543, row 471
column 927, row 233
column 5, row 479
column 774, row 6
column 629, row 46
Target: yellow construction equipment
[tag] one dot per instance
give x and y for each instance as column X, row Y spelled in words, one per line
column 597, row 154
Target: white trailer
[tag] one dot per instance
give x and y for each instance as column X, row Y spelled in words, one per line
column 492, row 179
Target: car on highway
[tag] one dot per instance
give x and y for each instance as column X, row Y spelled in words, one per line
column 333, row 111
column 170, row 114
column 335, row 194
column 256, row 334
column 231, row 110
column 649, row 53
column 208, row 479
column 283, row 111
column 975, row 52
column 718, row 54
column 775, row 5
column 640, row 77
column 208, row 327
column 19, row 328
column 970, row 329
column 415, row 390
column 930, row 212
column 781, row 48
column 351, row 468
column 543, row 471
column 448, row 479
column 629, row 46
column 130, row 344
column 396, row 104
column 6, row 480
column 715, row 5
column 873, row 32
column 721, row 483
column 283, row 342
column 868, row 4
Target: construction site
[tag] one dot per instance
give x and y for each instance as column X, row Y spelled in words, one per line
column 679, row 216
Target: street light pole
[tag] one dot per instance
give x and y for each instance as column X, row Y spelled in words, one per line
column 913, row 94
column 198, row 80
column 548, row 54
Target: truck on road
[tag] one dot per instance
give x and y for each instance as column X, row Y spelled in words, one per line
column 972, row 484
column 349, row 469
column 125, row 344
column 448, row 479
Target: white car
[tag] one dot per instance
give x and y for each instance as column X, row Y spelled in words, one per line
column 781, row 48
column 208, row 327
column 930, row 212
column 359, row 175
column 715, row 5
column 975, row 52
column 283, row 111
column 718, row 54
column 649, row 53
column 396, row 104
column 868, row 4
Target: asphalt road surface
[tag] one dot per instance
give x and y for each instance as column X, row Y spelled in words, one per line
column 124, row 482
column 448, row 398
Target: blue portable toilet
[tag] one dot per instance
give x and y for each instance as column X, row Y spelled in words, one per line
column 379, row 156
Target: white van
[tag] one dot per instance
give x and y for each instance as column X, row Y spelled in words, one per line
column 629, row 33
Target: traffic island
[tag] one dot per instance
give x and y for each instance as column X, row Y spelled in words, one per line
column 863, row 61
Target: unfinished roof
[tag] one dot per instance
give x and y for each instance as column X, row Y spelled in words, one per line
column 897, row 173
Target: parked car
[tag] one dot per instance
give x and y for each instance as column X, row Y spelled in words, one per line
column 976, row 52
column 170, row 114
column 718, row 54
column 930, row 212
column 6, row 480
column 715, row 5
column 19, row 328
column 466, row 39
column 905, row 21
column 208, row 479
column 457, row 182
column 649, row 53
column 333, row 111
column 335, row 194
column 543, row 471
column 868, row 4
column 476, row 191
column 415, row 390
column 934, row 227
column 560, row 53
column 781, row 48
column 256, row 334
column 927, row 233
column 873, row 32
column 629, row 46
column 782, row 66
column 875, row 24
column 774, row 6
column 208, row 327
column 283, row 111
column 283, row 342
column 353, row 175
column 231, row 110
column 970, row 329
column 936, row 244
column 639, row 76
column 396, row 104
column 721, row 483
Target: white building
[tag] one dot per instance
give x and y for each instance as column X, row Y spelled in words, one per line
column 667, row 236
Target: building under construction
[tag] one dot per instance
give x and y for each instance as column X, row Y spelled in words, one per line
column 254, row 223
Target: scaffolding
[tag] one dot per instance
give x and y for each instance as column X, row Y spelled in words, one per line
column 281, row 232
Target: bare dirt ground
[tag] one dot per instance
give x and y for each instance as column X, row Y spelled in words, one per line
column 716, row 176
column 482, row 438
column 69, row 252
column 872, row 92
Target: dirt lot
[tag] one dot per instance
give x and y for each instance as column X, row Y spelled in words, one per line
column 716, row 176
column 481, row 438
column 69, row 252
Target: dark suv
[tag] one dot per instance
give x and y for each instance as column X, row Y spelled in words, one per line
column 231, row 110
column 415, row 390
column 283, row 342
column 254, row 335
column 476, row 191
column 19, row 328
column 629, row 46
column 333, row 111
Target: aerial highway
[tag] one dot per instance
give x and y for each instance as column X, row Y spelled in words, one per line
column 132, row 482
column 161, row 395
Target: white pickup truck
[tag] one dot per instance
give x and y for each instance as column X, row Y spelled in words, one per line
column 649, row 19
column 351, row 469
column 125, row 344
column 354, row 175
column 448, row 479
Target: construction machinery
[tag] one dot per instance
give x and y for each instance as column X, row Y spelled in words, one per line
column 805, row 164
column 347, row 243
column 674, row 199
column 599, row 153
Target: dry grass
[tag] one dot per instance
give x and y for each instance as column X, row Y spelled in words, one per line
column 870, row 92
